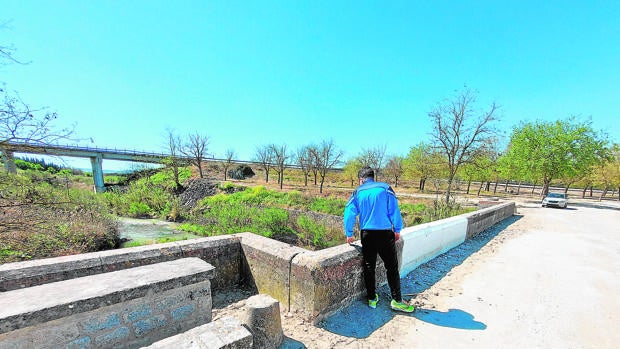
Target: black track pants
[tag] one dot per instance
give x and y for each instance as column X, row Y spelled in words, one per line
column 380, row 242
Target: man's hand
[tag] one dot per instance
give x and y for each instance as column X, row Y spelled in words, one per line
column 350, row 239
column 396, row 237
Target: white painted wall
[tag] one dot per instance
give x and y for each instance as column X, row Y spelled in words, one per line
column 425, row 241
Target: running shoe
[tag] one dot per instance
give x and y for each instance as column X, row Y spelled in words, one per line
column 401, row 306
column 373, row 302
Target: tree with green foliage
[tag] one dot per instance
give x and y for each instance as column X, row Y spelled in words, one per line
column 460, row 132
column 350, row 170
column 608, row 173
column 553, row 150
column 421, row 162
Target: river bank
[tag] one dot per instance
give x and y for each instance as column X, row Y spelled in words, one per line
column 135, row 232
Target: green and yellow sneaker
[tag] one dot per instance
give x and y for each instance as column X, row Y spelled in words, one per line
column 400, row 306
column 373, row 302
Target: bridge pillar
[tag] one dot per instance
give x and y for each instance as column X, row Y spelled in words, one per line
column 9, row 161
column 96, row 161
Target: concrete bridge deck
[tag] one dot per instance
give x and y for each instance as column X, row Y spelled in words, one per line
column 547, row 279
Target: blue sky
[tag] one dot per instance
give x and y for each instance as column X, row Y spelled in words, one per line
column 363, row 73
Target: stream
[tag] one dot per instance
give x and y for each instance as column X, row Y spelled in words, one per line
column 148, row 231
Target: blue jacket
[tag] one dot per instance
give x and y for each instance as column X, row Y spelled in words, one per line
column 377, row 206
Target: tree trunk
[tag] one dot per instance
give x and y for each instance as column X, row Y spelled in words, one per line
column 583, row 193
column 591, row 189
column 506, row 186
column 603, row 194
column 533, row 188
column 480, row 188
column 448, row 189
column 566, row 189
column 488, row 186
column 200, row 170
column 495, row 189
column 618, row 193
column 468, row 186
column 519, row 188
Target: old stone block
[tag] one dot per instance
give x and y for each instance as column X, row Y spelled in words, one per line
column 262, row 318
column 226, row 332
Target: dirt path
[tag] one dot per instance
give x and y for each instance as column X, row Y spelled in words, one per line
column 546, row 279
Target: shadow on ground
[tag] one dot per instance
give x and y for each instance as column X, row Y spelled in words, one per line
column 357, row 320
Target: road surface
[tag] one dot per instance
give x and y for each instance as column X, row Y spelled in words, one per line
column 549, row 278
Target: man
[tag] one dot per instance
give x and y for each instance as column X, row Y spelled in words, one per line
column 380, row 225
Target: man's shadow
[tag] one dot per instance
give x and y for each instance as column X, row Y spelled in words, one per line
column 357, row 320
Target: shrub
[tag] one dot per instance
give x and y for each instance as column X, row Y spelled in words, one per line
column 139, row 209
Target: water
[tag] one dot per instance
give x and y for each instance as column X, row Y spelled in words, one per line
column 149, row 231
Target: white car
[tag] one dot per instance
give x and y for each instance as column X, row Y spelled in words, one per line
column 555, row 199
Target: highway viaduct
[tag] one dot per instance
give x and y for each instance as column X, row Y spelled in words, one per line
column 96, row 156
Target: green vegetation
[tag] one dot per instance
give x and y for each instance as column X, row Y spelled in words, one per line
column 43, row 217
column 268, row 213
column 150, row 196
column 53, row 214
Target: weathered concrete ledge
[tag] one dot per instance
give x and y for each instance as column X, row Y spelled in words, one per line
column 130, row 307
column 480, row 220
column 268, row 264
column 223, row 252
column 226, row 332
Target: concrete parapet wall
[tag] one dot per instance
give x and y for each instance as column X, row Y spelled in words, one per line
column 128, row 308
column 268, row 264
column 487, row 217
column 223, row 252
column 425, row 241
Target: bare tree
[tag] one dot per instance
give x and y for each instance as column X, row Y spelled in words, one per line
column 304, row 160
column 196, row 149
column 394, row 168
column 174, row 162
column 264, row 157
column 228, row 160
column 327, row 156
column 19, row 123
column 314, row 162
column 280, row 156
column 460, row 132
column 374, row 158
